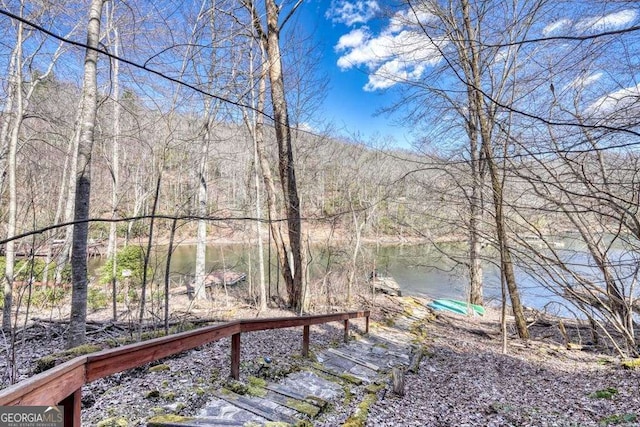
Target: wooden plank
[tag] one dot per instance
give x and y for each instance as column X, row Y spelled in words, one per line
column 47, row 388
column 235, row 356
column 289, row 322
column 108, row 362
column 72, row 407
column 354, row 359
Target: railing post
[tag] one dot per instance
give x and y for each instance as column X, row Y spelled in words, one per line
column 72, row 405
column 366, row 325
column 305, row 341
column 235, row 356
column 346, row 330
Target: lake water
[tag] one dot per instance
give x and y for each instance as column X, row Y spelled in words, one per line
column 419, row 270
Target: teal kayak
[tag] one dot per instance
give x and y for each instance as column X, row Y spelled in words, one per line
column 475, row 307
column 455, row 306
column 443, row 305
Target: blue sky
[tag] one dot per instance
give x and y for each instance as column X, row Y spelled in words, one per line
column 362, row 48
column 348, row 106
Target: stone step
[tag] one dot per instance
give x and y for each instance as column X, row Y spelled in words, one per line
column 196, row 422
column 303, row 395
column 270, row 411
column 341, row 367
column 308, row 383
column 354, row 359
column 301, row 406
column 220, row 409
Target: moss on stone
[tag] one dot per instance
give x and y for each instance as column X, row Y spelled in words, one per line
column 160, row 368
column 351, row 378
column 257, row 382
column 303, row 407
column 359, row 417
column 236, row 386
column 276, row 424
column 317, row 401
column 631, row 364
column 256, row 391
column 113, row 422
column 199, row 391
column 167, row 418
column 374, row 388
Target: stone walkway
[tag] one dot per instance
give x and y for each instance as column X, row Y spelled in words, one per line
column 360, row 367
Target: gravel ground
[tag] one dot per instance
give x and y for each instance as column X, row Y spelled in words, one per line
column 467, row 381
column 464, row 381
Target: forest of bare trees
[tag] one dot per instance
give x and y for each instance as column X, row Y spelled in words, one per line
column 133, row 122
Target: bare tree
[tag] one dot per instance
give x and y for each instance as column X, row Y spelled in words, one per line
column 268, row 34
column 76, row 334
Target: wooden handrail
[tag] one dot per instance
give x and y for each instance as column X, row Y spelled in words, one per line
column 62, row 384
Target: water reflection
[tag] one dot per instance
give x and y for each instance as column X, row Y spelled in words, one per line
column 421, row 270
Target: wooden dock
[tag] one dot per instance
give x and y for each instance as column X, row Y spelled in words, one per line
column 224, row 277
column 25, row 250
column 386, row 285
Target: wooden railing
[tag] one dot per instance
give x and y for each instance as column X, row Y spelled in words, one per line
column 62, row 384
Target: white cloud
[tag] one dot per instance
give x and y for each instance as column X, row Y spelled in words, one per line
column 400, row 52
column 352, row 12
column 583, row 81
column 611, row 22
column 408, row 18
column 621, row 99
column 353, row 39
column 555, row 27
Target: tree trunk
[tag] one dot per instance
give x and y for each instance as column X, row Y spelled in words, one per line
column 76, row 334
column 286, row 166
column 265, row 167
column 63, row 256
column 477, row 108
column 262, row 283
column 112, row 246
column 201, row 247
column 16, row 116
column 475, row 219
column 115, row 151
